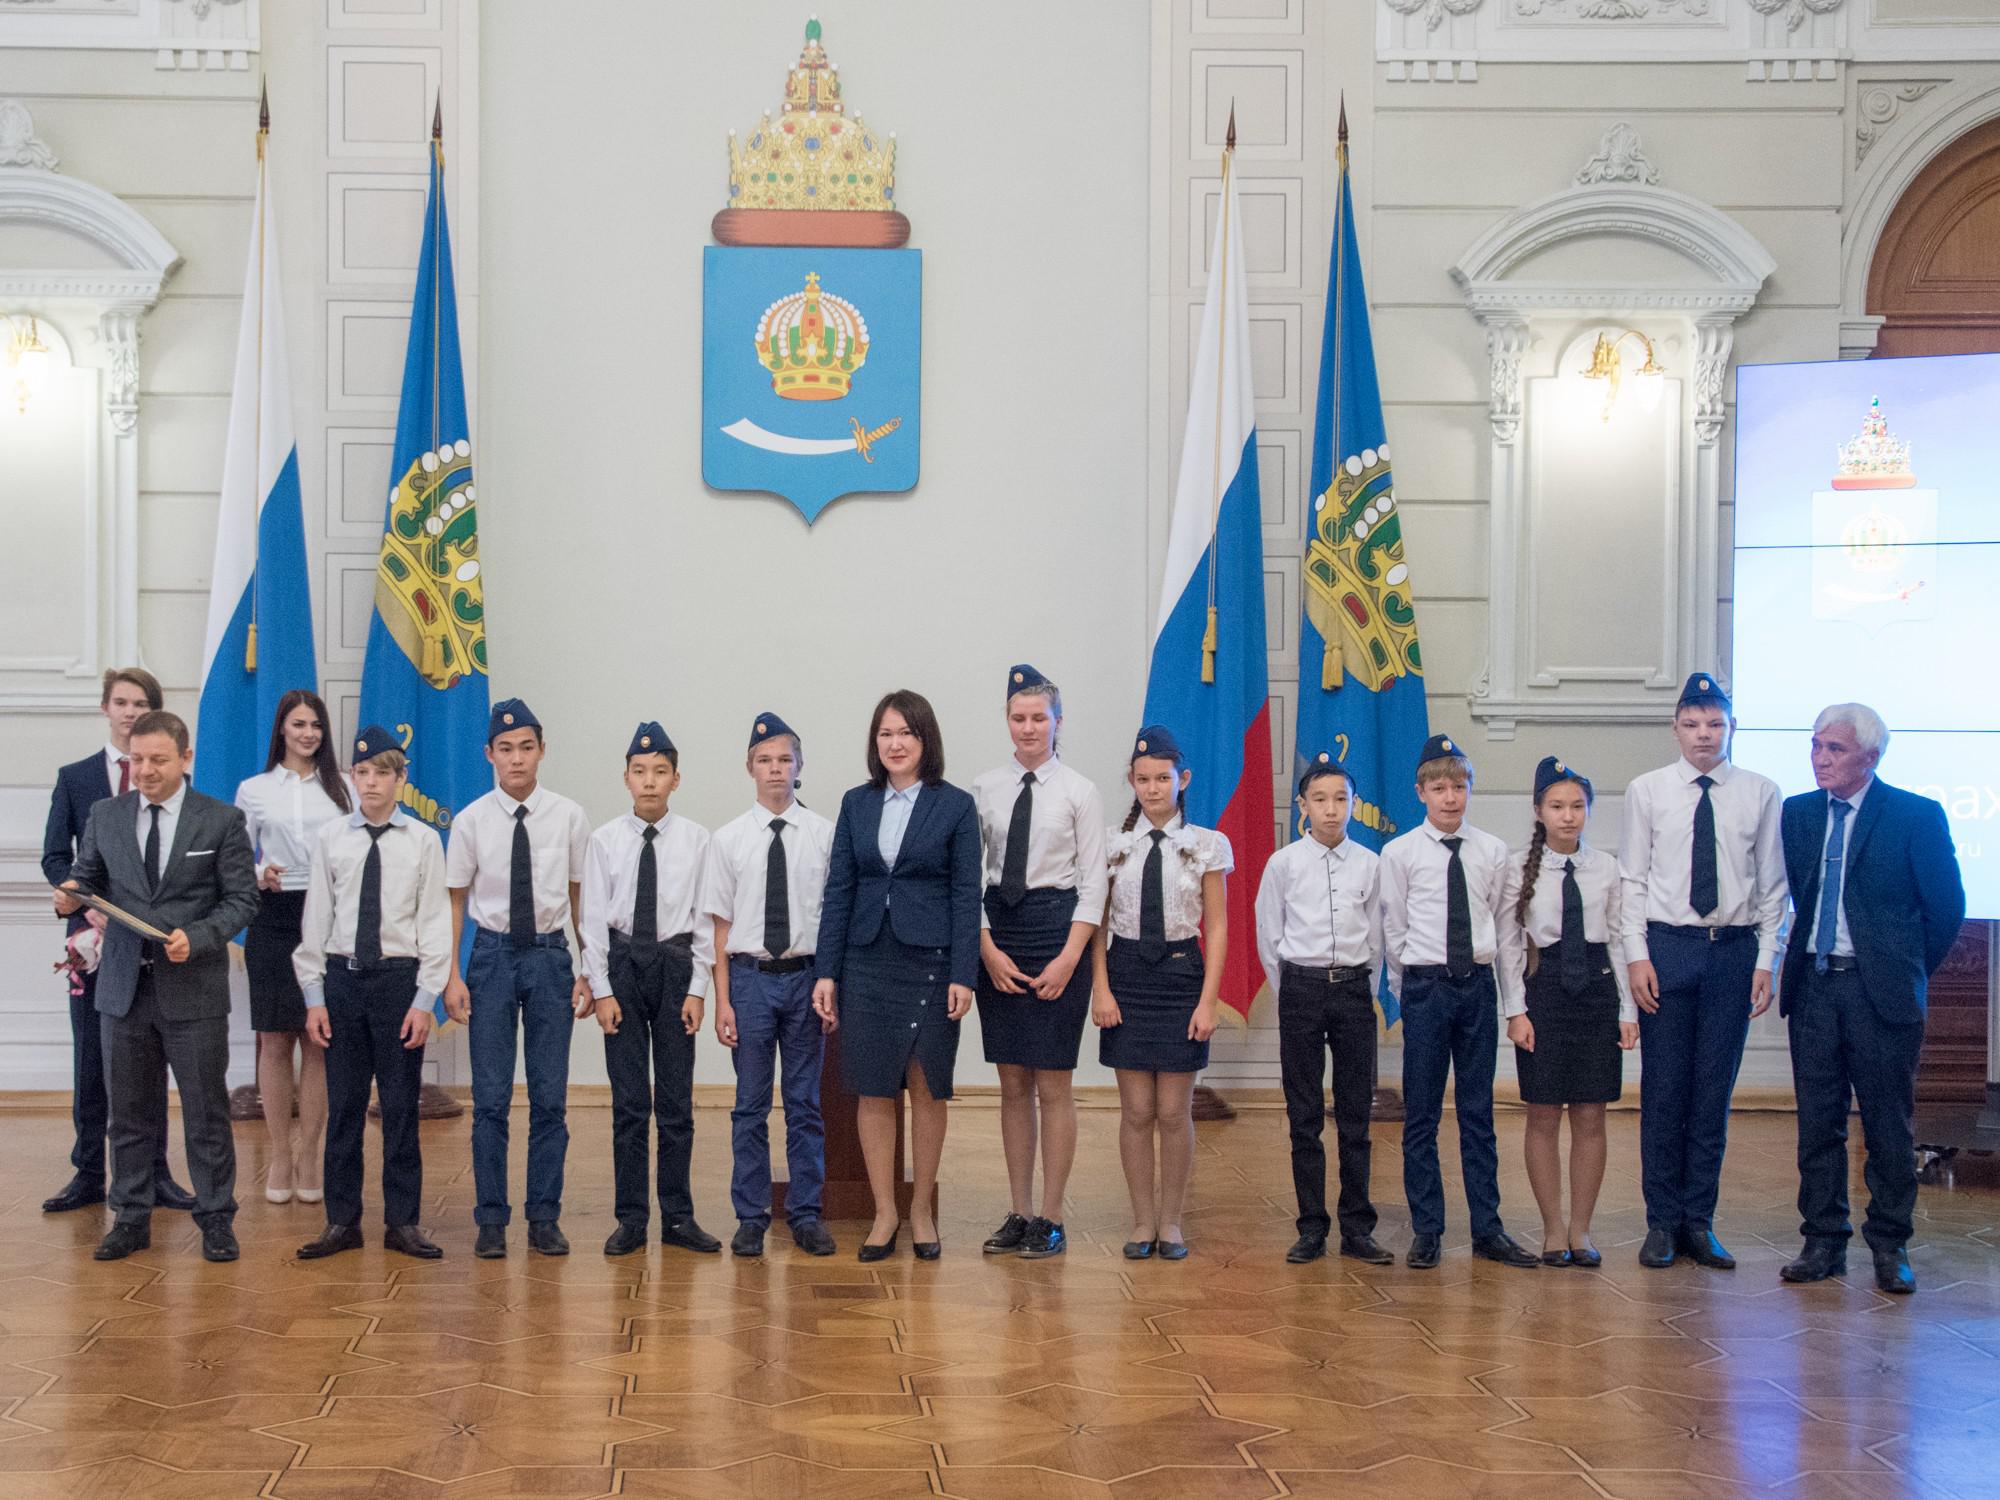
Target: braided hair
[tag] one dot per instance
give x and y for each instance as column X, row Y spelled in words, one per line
column 1551, row 773
column 1537, row 842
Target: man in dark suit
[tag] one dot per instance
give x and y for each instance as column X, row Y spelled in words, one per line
column 80, row 786
column 181, row 862
column 1877, row 903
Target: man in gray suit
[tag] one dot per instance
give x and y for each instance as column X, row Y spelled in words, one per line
column 181, row 862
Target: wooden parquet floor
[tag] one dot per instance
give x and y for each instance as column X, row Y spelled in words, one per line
column 1229, row 1375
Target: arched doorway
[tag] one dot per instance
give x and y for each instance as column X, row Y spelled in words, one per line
column 1935, row 279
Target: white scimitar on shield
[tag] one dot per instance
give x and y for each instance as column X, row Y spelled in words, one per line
column 863, row 440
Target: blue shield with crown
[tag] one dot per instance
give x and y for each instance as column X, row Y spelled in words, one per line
column 811, row 312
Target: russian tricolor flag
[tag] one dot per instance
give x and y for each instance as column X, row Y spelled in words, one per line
column 1209, row 682
column 260, row 632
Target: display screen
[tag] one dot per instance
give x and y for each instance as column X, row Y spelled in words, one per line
column 1867, row 569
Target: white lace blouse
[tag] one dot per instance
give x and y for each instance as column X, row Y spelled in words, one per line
column 1187, row 855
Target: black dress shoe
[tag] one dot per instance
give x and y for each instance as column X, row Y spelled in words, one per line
column 1423, row 1253
column 409, row 1239
column 1704, row 1249
column 1363, row 1247
column 1141, row 1250
column 1044, row 1239
column 492, row 1242
column 1893, row 1273
column 124, row 1240
column 1306, row 1249
column 332, row 1240
column 868, row 1253
column 82, row 1192
column 545, row 1237
column 1658, row 1251
column 813, row 1237
column 748, row 1241
column 1503, row 1249
column 1819, row 1260
column 629, row 1239
column 1587, row 1258
column 218, row 1242
column 1170, row 1249
column 927, row 1249
column 1008, row 1238
column 170, row 1194
column 1562, row 1257
column 689, row 1236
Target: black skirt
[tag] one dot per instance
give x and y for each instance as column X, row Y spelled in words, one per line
column 1576, row 1059
column 892, row 1009
column 1156, row 1002
column 1025, row 1030
column 276, row 1001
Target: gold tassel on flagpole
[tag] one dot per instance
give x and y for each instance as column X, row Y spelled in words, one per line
column 1208, row 648
column 1330, row 666
column 250, row 649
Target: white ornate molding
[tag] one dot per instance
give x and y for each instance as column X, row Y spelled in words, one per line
column 19, row 145
column 1795, row 13
column 181, row 34
column 1619, row 158
column 1878, row 104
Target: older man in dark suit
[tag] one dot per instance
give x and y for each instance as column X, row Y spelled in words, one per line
column 181, row 862
column 1877, row 903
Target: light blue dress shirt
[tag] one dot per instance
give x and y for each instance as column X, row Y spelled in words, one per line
column 896, row 809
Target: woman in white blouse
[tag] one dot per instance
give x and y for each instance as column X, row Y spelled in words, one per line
column 299, row 791
column 1569, row 1012
column 1156, row 962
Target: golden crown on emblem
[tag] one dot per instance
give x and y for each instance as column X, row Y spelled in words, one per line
column 812, row 342
column 814, row 156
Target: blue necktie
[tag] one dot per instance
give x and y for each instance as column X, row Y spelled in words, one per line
column 1829, row 885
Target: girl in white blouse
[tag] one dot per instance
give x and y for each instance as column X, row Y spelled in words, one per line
column 1156, row 964
column 1569, row 1013
column 300, row 789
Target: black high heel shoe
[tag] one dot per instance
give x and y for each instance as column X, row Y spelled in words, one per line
column 869, row 1253
column 926, row 1249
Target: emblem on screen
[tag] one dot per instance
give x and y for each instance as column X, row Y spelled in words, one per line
column 1875, row 555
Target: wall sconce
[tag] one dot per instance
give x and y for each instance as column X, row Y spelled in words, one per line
column 1605, row 365
column 27, row 359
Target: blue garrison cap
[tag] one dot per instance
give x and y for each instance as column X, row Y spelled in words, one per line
column 650, row 739
column 1022, row 678
column 1322, row 764
column 508, row 715
column 1703, row 687
column 1437, row 747
column 372, row 741
column 769, row 727
column 1156, row 740
column 1551, row 770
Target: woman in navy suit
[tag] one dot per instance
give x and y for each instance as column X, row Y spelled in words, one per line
column 899, row 952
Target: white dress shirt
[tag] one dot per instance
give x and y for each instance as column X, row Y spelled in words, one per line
column 416, row 907
column 896, row 809
column 1416, row 896
column 1186, row 855
column 1656, row 855
column 285, row 812
column 1318, row 907
column 611, row 887
column 112, row 756
column 1843, row 940
column 480, row 859
column 738, row 858
column 170, row 817
column 1065, row 834
column 1598, row 881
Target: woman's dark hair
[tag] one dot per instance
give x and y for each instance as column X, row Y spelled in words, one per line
column 922, row 721
column 325, row 764
column 1180, row 793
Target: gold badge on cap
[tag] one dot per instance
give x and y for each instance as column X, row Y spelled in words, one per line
column 506, row 718
column 1445, row 744
column 645, row 739
column 1322, row 757
column 362, row 746
column 760, row 726
column 1142, row 744
column 1562, row 769
column 1019, row 678
column 1703, row 684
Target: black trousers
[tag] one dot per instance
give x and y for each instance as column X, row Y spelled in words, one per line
column 139, row 1047
column 89, row 1101
column 650, row 1061
column 1315, row 1017
column 365, row 1008
column 1841, row 1046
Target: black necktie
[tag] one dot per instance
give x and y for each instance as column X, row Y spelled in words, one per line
column 1153, row 901
column 1702, row 887
column 521, row 882
column 646, row 900
column 368, row 913
column 1457, row 915
column 153, row 851
column 777, row 895
column 1575, row 955
column 1014, row 873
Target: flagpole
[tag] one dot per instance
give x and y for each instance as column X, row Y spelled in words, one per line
column 1208, row 635
column 257, row 489
column 437, row 219
column 1332, row 669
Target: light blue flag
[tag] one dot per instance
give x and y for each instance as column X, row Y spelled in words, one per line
column 1361, row 684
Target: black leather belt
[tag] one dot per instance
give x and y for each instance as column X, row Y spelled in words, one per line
column 1712, row 934
column 1838, row 963
column 773, row 965
column 1325, row 973
column 373, row 966
column 1442, row 971
column 539, row 940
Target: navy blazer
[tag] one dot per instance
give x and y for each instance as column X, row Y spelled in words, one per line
column 1900, row 886
column 931, row 897
column 80, row 786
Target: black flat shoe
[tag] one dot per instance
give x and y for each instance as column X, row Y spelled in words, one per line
column 626, row 1239
column 1502, row 1249
column 1658, row 1251
column 1138, row 1249
column 1423, row 1253
column 124, row 1240
column 218, row 1243
column 1819, row 1260
column 1008, row 1238
column 926, row 1249
column 689, row 1236
column 1170, row 1249
column 1704, row 1249
column 170, row 1194
column 868, row 1254
column 492, row 1242
column 748, row 1241
column 1362, row 1247
column 332, row 1241
column 80, row 1193
column 410, row 1240
column 1306, row 1249
column 1589, row 1260
column 1044, row 1239
column 1562, row 1257
column 813, row 1237
column 1893, row 1273
column 545, row 1237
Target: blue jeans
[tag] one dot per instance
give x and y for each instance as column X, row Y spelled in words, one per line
column 1690, row 1050
column 528, row 989
column 775, row 1024
column 1450, row 1025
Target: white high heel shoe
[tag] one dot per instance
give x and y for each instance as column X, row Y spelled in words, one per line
column 311, row 1195
column 279, row 1195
